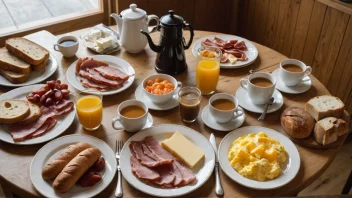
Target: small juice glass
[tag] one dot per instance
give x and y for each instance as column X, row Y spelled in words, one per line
column 89, row 108
column 208, row 70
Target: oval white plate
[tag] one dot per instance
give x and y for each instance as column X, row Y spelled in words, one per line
column 63, row 122
column 54, row 148
column 36, row 76
column 300, row 88
column 119, row 63
column 160, row 133
column 251, row 54
column 293, row 159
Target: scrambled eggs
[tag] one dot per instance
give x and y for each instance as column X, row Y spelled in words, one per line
column 257, row 156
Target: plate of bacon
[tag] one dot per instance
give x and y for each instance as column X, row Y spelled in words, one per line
column 152, row 169
column 108, row 74
column 51, row 113
column 237, row 52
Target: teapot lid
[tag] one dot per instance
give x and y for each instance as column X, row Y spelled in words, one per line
column 133, row 13
column 171, row 19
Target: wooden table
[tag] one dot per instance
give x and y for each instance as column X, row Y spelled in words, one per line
column 15, row 160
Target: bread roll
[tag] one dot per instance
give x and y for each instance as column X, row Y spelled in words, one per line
column 53, row 168
column 297, row 122
column 327, row 130
column 75, row 169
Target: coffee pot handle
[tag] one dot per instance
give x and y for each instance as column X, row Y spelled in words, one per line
column 155, row 18
column 190, row 28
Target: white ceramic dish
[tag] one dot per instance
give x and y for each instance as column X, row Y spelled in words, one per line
column 251, row 54
column 63, row 122
column 148, row 124
column 36, row 76
column 290, row 170
column 161, row 132
column 54, row 148
column 113, row 61
column 300, row 88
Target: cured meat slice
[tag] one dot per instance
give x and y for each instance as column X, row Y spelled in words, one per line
column 90, row 84
column 79, row 63
column 224, row 58
column 112, row 73
column 62, row 104
column 143, row 172
column 50, row 123
column 238, row 54
column 187, row 174
column 149, row 153
column 219, row 41
column 178, row 175
column 89, row 178
column 241, row 46
column 156, row 149
column 91, row 63
column 166, row 176
column 137, row 150
column 65, row 110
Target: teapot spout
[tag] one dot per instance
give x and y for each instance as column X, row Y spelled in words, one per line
column 118, row 20
column 155, row 48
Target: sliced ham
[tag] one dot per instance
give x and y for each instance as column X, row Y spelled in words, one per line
column 62, row 104
column 241, row 46
column 50, row 123
column 142, row 171
column 166, row 176
column 90, row 84
column 63, row 107
column 137, row 150
column 178, row 175
column 149, row 153
column 187, row 175
column 156, row 149
column 94, row 76
column 91, row 63
column 112, row 73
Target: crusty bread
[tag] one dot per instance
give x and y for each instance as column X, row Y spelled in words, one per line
column 55, row 166
column 75, row 169
column 328, row 129
column 297, row 122
column 13, row 111
column 11, row 63
column 27, row 50
column 325, row 106
column 14, row 77
column 347, row 118
column 34, row 114
column 41, row 66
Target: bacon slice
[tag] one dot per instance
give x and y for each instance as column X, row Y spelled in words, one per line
column 219, row 41
column 238, row 54
column 63, row 107
column 143, row 172
column 79, row 63
column 166, row 176
column 91, row 63
column 50, row 123
column 112, row 73
column 97, row 78
column 90, row 84
column 241, row 46
column 224, row 58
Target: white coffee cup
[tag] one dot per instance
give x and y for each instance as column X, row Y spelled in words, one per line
column 259, row 95
column 223, row 116
column 67, row 51
column 130, row 124
column 293, row 78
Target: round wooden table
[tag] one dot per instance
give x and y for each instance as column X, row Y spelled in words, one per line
column 15, row 160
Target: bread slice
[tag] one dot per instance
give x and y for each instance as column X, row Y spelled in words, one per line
column 11, row 63
column 13, row 111
column 41, row 66
column 325, row 106
column 27, row 50
column 34, row 114
column 328, row 129
column 14, row 77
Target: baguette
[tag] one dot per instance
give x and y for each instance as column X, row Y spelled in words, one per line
column 14, row 77
column 75, row 169
column 11, row 63
column 325, row 106
column 13, row 111
column 55, row 166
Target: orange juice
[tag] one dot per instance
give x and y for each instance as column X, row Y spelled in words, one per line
column 207, row 76
column 90, row 111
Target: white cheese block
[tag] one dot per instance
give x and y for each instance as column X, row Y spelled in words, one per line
column 94, row 35
column 104, row 43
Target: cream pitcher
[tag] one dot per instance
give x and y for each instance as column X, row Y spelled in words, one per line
column 130, row 22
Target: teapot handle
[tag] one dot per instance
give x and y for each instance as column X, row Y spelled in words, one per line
column 190, row 28
column 150, row 18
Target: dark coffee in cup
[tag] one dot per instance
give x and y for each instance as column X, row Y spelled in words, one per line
column 67, row 43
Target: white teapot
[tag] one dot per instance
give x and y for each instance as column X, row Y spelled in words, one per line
column 130, row 22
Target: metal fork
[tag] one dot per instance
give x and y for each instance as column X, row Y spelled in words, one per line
column 118, row 148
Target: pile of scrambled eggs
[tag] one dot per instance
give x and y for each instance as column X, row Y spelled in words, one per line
column 257, row 156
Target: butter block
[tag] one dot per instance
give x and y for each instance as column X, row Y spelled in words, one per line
column 104, row 43
column 183, row 149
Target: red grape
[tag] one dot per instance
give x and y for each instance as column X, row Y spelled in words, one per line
column 65, row 92
column 49, row 102
column 58, row 95
column 64, row 86
column 58, row 81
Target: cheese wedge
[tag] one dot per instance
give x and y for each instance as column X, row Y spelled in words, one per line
column 183, row 149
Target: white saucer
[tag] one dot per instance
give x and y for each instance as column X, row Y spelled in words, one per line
column 139, row 94
column 245, row 102
column 148, row 124
column 228, row 126
column 300, row 88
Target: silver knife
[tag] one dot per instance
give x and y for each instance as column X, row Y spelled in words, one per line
column 218, row 187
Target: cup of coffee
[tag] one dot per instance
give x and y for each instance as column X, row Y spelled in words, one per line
column 293, row 71
column 260, row 87
column 132, row 115
column 67, row 45
column 224, row 107
column 189, row 103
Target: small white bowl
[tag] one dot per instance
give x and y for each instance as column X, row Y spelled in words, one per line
column 163, row 98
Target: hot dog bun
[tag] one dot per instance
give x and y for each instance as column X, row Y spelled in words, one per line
column 53, row 168
column 75, row 169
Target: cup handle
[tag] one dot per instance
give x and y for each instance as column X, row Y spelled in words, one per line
column 179, row 86
column 307, row 72
column 243, row 83
column 237, row 113
column 156, row 18
column 56, row 47
column 114, row 120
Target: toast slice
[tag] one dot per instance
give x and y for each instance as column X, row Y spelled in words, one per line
column 11, row 63
column 27, row 50
column 14, row 77
column 327, row 130
column 13, row 111
column 325, row 106
column 34, row 114
column 41, row 66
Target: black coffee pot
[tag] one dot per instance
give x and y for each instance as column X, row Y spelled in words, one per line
column 171, row 57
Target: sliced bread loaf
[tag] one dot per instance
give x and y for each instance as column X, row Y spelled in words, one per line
column 27, row 50
column 41, row 66
column 11, row 63
column 14, row 77
column 328, row 129
column 34, row 114
column 325, row 106
column 13, row 111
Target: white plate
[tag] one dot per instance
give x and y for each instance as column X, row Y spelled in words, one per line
column 289, row 171
column 149, row 122
column 141, row 96
column 251, row 54
column 63, row 122
column 54, row 148
column 245, row 102
column 228, row 126
column 119, row 63
column 300, row 88
column 36, row 76
column 161, row 132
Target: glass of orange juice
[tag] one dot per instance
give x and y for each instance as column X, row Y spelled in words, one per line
column 208, row 69
column 89, row 108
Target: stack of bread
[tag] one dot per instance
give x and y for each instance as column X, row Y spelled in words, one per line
column 18, row 112
column 325, row 115
column 19, row 57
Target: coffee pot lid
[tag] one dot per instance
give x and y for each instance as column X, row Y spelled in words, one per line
column 171, row 19
column 133, row 13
